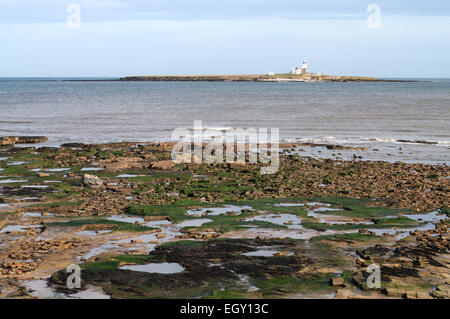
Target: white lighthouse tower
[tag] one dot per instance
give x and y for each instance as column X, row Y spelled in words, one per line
column 304, row 67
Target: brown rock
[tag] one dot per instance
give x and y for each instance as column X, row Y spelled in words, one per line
column 442, row 291
column 99, row 227
column 282, row 253
column 155, row 218
column 31, row 139
column 338, row 281
column 163, row 165
column 91, row 181
column 8, row 140
column 124, row 163
column 394, row 292
column 411, row 295
column 441, row 294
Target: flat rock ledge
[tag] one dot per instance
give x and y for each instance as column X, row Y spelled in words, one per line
column 12, row 140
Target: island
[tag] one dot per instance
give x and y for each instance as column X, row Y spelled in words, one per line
column 286, row 77
column 297, row 74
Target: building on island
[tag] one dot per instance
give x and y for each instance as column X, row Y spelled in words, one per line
column 303, row 70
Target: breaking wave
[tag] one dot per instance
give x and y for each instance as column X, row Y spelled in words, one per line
column 363, row 140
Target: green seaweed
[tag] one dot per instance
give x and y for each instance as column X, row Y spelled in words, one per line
column 309, row 284
column 343, row 237
column 100, row 266
column 121, row 226
column 175, row 213
column 224, row 223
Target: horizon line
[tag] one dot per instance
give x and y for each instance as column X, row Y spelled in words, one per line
column 123, row 76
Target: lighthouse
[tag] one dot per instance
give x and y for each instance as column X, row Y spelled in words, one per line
column 304, row 67
column 300, row 71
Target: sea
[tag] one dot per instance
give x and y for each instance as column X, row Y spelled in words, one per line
column 394, row 121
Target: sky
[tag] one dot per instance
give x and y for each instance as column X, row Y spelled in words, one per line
column 112, row 38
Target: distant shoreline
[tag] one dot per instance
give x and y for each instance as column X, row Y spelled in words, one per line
column 243, row 78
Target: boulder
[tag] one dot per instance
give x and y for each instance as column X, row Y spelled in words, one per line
column 441, row 294
column 166, row 146
column 338, row 281
column 443, row 287
column 394, row 292
column 91, row 181
column 442, row 291
column 163, row 165
column 360, row 280
column 411, row 294
column 8, row 140
column 11, row 140
column 31, row 139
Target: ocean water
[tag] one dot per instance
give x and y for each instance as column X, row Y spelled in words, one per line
column 377, row 115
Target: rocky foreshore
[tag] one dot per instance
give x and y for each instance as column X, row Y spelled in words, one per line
column 123, row 203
